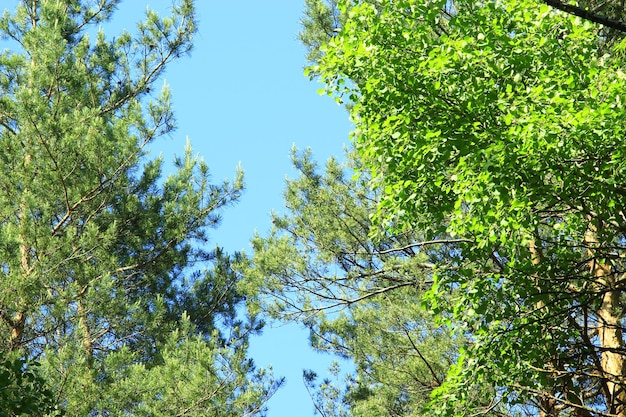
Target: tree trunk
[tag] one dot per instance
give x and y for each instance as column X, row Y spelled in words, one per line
column 609, row 326
column 611, row 342
column 87, row 341
column 18, row 323
column 19, row 319
column 547, row 404
column 548, row 407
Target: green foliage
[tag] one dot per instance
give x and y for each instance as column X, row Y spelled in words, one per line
column 322, row 21
column 190, row 370
column 360, row 298
column 105, row 275
column 500, row 124
column 328, row 396
column 607, row 37
column 23, row 392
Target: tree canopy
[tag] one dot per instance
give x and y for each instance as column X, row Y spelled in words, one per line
column 359, row 296
column 468, row 258
column 319, row 266
column 107, row 280
column 499, row 126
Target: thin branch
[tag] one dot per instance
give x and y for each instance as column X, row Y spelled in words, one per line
column 563, row 401
column 346, row 302
column 417, row 245
column 430, row 368
column 315, row 404
column 587, row 15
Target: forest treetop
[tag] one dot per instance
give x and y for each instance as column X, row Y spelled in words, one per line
column 110, row 297
column 499, row 127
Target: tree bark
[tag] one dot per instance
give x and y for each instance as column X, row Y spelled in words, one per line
column 17, row 330
column 609, row 325
column 548, row 407
column 87, row 341
column 19, row 318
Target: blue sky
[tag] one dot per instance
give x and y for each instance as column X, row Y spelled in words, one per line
column 241, row 97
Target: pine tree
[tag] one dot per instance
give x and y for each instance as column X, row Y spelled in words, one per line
column 359, row 296
column 100, row 256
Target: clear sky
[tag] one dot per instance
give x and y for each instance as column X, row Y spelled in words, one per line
column 241, row 97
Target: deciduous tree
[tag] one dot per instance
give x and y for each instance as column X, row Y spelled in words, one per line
column 505, row 130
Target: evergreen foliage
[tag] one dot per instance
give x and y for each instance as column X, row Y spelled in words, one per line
column 105, row 271
column 360, row 297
